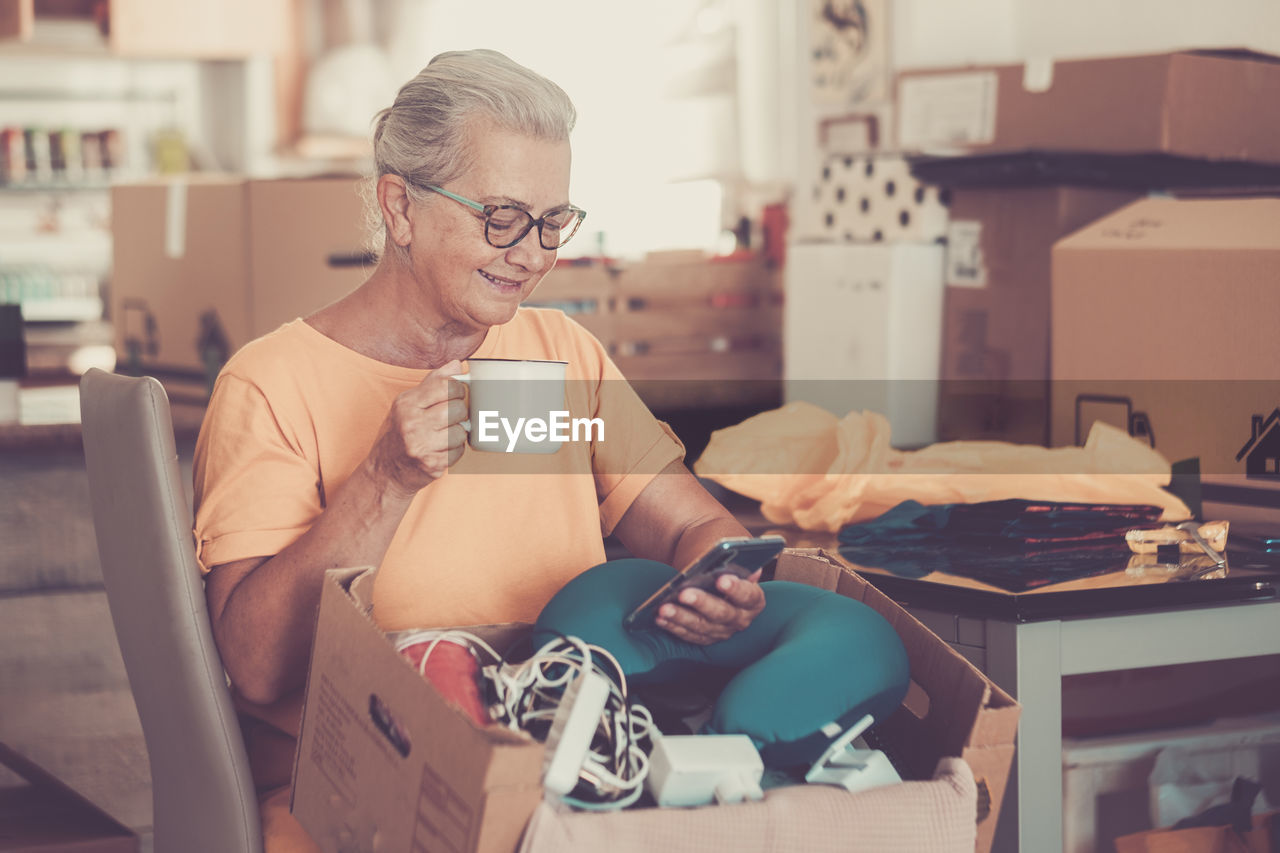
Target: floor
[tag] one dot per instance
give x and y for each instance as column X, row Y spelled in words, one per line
column 65, row 701
column 64, row 695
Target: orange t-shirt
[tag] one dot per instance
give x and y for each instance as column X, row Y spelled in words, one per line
column 294, row 412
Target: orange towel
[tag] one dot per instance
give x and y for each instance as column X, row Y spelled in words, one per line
column 816, row 471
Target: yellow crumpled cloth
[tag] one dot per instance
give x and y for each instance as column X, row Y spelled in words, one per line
column 817, row 471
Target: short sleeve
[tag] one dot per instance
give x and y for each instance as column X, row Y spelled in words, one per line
column 256, row 491
column 636, row 447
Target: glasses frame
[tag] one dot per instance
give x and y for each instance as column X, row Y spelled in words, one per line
column 489, row 209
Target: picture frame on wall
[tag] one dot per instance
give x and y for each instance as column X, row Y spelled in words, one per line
column 848, row 55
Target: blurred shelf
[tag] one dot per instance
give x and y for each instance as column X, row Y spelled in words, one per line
column 59, row 37
column 65, row 350
column 321, row 154
column 79, row 249
column 62, row 309
column 58, row 187
column 332, row 147
column 83, row 96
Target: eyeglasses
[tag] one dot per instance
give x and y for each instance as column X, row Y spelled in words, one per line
column 505, row 225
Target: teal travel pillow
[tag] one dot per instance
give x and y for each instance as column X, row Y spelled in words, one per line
column 807, row 668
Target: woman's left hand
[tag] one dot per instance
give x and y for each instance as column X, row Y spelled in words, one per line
column 704, row 617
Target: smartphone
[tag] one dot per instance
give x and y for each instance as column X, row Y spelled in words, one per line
column 740, row 557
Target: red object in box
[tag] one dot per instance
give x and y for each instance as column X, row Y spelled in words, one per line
column 452, row 667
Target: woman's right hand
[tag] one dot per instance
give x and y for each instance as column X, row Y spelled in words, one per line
column 423, row 434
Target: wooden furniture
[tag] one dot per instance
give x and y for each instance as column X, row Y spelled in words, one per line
column 228, row 29
column 689, row 331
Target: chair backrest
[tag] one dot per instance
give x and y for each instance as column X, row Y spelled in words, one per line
column 203, row 793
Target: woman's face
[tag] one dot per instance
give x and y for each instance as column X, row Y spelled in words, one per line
column 470, row 283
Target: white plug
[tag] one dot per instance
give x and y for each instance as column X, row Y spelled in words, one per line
column 856, row 770
column 695, row 770
column 572, row 729
column 851, row 768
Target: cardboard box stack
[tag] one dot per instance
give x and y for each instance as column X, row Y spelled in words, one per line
column 995, row 341
column 1038, row 150
column 204, row 264
column 382, row 751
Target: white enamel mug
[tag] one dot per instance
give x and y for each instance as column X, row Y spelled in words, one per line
column 515, row 405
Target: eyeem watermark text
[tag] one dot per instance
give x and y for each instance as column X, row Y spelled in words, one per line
column 559, row 427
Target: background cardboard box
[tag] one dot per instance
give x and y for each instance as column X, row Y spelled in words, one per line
column 380, row 748
column 1164, row 324
column 1192, row 104
column 995, row 332
column 202, row 265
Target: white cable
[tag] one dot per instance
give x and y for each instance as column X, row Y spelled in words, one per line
column 529, row 693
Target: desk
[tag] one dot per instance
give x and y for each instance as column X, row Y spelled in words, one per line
column 1030, row 658
column 1027, row 641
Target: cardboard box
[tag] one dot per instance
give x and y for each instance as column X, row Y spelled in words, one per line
column 862, row 331
column 1099, row 27
column 39, row 814
column 1215, row 106
column 380, row 748
column 1163, row 325
column 995, row 328
column 1262, row 837
column 205, row 264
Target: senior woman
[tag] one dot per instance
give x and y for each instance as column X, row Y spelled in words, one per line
column 337, row 440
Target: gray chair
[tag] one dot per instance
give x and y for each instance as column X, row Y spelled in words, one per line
column 202, row 791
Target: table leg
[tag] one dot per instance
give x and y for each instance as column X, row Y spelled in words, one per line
column 1025, row 659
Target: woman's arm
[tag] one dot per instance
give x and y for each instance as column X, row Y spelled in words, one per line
column 263, row 609
column 675, row 520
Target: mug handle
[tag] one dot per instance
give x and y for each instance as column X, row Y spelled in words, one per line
column 465, row 379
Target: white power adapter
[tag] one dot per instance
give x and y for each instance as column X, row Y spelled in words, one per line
column 696, row 770
column 572, row 729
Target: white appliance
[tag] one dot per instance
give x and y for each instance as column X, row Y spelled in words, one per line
column 862, row 330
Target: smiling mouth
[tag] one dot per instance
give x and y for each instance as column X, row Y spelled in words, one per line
column 504, row 283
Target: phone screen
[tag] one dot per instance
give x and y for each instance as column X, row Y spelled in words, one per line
column 740, row 557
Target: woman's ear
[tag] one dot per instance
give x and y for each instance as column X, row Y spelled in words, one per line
column 397, row 209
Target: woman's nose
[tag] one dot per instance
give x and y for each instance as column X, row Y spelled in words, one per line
column 529, row 254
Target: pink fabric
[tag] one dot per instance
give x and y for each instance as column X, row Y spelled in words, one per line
column 938, row 816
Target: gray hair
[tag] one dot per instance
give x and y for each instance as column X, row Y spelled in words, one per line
column 422, row 136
